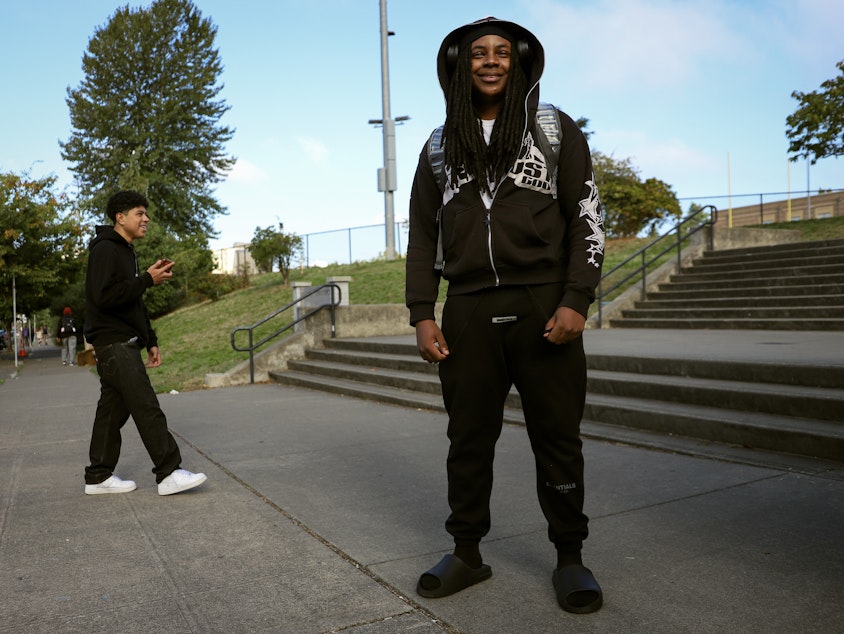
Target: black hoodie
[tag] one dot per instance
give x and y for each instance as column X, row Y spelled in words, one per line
column 114, row 288
column 529, row 235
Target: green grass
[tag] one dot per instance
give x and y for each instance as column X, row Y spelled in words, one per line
column 811, row 230
column 196, row 340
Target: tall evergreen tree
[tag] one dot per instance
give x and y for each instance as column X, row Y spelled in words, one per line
column 146, row 116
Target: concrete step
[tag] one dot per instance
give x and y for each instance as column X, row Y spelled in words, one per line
column 768, row 312
column 821, row 290
column 709, row 266
column 807, row 437
column 786, row 249
column 793, row 400
column 757, row 273
column 686, row 283
column 404, row 357
column 715, row 301
column 776, row 407
column 773, row 252
column 735, row 324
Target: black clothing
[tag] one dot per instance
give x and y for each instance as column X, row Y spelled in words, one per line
column 67, row 328
column 114, row 289
column 541, row 228
column 117, row 325
column 511, row 259
column 125, row 389
column 486, row 359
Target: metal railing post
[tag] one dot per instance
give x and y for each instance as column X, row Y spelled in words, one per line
column 679, row 246
column 251, row 358
column 600, row 307
column 644, row 275
column 332, row 304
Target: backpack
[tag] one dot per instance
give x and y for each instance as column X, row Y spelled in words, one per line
column 69, row 325
column 549, row 140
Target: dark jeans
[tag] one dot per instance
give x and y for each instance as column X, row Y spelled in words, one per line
column 125, row 390
column 485, row 360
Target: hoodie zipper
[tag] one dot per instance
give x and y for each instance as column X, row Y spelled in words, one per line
column 492, row 195
column 489, row 238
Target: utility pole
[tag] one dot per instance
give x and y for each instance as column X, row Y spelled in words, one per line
column 15, row 318
column 387, row 174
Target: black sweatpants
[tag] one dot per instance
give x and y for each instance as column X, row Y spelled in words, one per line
column 495, row 338
column 125, row 389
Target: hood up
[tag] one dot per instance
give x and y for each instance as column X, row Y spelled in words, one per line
column 531, row 53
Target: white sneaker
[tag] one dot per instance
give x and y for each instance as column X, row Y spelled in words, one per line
column 180, row 480
column 112, row 484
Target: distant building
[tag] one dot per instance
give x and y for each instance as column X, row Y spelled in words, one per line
column 235, row 260
column 826, row 205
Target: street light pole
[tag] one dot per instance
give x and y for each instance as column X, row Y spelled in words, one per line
column 15, row 319
column 387, row 174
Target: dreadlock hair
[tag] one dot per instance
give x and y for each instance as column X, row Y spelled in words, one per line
column 463, row 139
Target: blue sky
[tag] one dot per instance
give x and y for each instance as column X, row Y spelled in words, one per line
column 676, row 86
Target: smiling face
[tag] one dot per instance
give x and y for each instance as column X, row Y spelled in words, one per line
column 490, row 57
column 132, row 224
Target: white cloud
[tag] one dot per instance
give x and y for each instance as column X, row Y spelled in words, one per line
column 246, row 172
column 314, row 149
column 615, row 45
column 686, row 168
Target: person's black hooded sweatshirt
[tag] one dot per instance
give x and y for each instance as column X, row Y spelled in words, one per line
column 115, row 309
column 529, row 235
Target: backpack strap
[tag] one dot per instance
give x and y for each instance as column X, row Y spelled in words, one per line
column 549, row 136
column 436, row 157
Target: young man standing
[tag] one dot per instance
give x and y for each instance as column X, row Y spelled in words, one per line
column 513, row 222
column 118, row 327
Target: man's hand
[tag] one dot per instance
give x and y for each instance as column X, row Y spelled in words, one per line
column 430, row 341
column 160, row 271
column 153, row 357
column 565, row 325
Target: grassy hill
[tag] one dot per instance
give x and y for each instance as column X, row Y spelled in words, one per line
column 196, row 340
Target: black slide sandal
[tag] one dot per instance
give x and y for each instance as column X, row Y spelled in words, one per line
column 450, row 575
column 577, row 590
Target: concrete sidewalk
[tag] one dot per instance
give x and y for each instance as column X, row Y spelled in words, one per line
column 320, row 513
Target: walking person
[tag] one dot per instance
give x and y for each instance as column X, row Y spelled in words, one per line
column 504, row 206
column 67, row 334
column 118, row 327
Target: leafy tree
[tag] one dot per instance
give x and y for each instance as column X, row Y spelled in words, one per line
column 270, row 246
column 631, row 206
column 146, row 115
column 816, row 129
column 41, row 245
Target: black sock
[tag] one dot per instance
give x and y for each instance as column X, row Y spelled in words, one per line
column 469, row 554
column 565, row 558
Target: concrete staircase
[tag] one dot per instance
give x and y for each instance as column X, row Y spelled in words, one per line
column 796, row 286
column 647, row 401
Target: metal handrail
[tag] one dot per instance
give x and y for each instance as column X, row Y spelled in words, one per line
column 332, row 305
column 646, row 262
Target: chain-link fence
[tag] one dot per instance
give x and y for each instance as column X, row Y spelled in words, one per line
column 354, row 244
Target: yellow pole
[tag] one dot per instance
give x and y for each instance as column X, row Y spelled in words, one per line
column 729, row 193
column 789, row 191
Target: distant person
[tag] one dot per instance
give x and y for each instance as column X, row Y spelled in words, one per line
column 118, row 326
column 67, row 334
column 519, row 224
column 44, row 336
